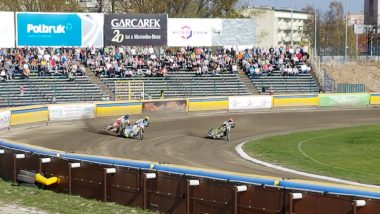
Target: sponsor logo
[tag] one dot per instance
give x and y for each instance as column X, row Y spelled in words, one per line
column 41, row 28
column 186, row 32
column 346, row 100
column 135, row 24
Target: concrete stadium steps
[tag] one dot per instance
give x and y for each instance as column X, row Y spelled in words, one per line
column 41, row 90
column 186, row 84
column 302, row 83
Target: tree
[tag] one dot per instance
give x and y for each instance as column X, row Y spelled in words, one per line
column 180, row 8
column 40, row 5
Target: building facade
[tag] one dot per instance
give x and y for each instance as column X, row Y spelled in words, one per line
column 355, row 18
column 371, row 14
column 278, row 27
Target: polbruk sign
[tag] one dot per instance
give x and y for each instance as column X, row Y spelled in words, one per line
column 135, row 29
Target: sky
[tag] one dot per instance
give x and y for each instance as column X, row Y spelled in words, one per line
column 353, row 5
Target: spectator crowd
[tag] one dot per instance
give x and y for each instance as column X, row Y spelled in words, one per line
column 289, row 61
column 148, row 61
column 43, row 61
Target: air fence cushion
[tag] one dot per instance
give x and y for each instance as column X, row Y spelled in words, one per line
column 215, row 175
column 110, row 161
column 26, row 148
column 329, row 189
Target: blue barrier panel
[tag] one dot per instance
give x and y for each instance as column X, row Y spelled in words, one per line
column 214, row 175
column 29, row 149
column 329, row 189
column 110, row 161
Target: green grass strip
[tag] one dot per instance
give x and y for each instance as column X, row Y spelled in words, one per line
column 52, row 202
column 346, row 153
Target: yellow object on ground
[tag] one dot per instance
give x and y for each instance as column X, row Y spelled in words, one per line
column 46, row 181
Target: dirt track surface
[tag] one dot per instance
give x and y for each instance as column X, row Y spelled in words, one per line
column 180, row 140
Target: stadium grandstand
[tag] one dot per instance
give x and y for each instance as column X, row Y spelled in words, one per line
column 59, row 75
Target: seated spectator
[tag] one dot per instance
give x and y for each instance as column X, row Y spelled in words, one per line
column 25, row 70
column 21, row 90
column 70, row 76
column 234, row 69
column 271, row 90
column 3, row 76
column 270, row 70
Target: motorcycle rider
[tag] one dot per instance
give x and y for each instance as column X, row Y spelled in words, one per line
column 225, row 124
column 120, row 122
column 144, row 122
column 228, row 123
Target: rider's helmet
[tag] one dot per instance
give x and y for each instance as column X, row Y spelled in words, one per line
column 230, row 120
column 126, row 117
column 146, row 119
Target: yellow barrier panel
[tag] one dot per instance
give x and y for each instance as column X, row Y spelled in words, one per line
column 374, row 99
column 29, row 114
column 295, row 100
column 118, row 108
column 208, row 104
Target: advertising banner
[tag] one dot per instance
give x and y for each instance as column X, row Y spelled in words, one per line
column 92, row 29
column 191, row 32
column 327, row 100
column 165, row 106
column 231, row 33
column 71, row 112
column 7, row 30
column 135, row 29
column 5, row 119
column 250, row 102
column 59, row 29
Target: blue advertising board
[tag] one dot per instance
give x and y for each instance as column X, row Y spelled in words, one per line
column 48, row 29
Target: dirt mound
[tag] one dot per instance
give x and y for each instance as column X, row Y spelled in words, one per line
column 360, row 72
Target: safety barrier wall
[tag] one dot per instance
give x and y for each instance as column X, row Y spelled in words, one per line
column 207, row 104
column 178, row 189
column 295, row 100
column 374, row 99
column 32, row 114
column 130, row 185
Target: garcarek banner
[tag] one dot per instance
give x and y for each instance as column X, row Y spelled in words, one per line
column 135, row 29
column 7, row 30
column 59, row 29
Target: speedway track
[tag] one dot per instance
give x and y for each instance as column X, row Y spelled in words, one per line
column 180, row 139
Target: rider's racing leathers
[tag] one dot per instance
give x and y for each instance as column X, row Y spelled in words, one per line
column 130, row 129
column 120, row 122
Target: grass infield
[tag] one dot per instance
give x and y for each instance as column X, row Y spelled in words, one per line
column 51, row 202
column 347, row 153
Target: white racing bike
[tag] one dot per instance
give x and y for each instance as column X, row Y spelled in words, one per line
column 135, row 131
column 221, row 132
